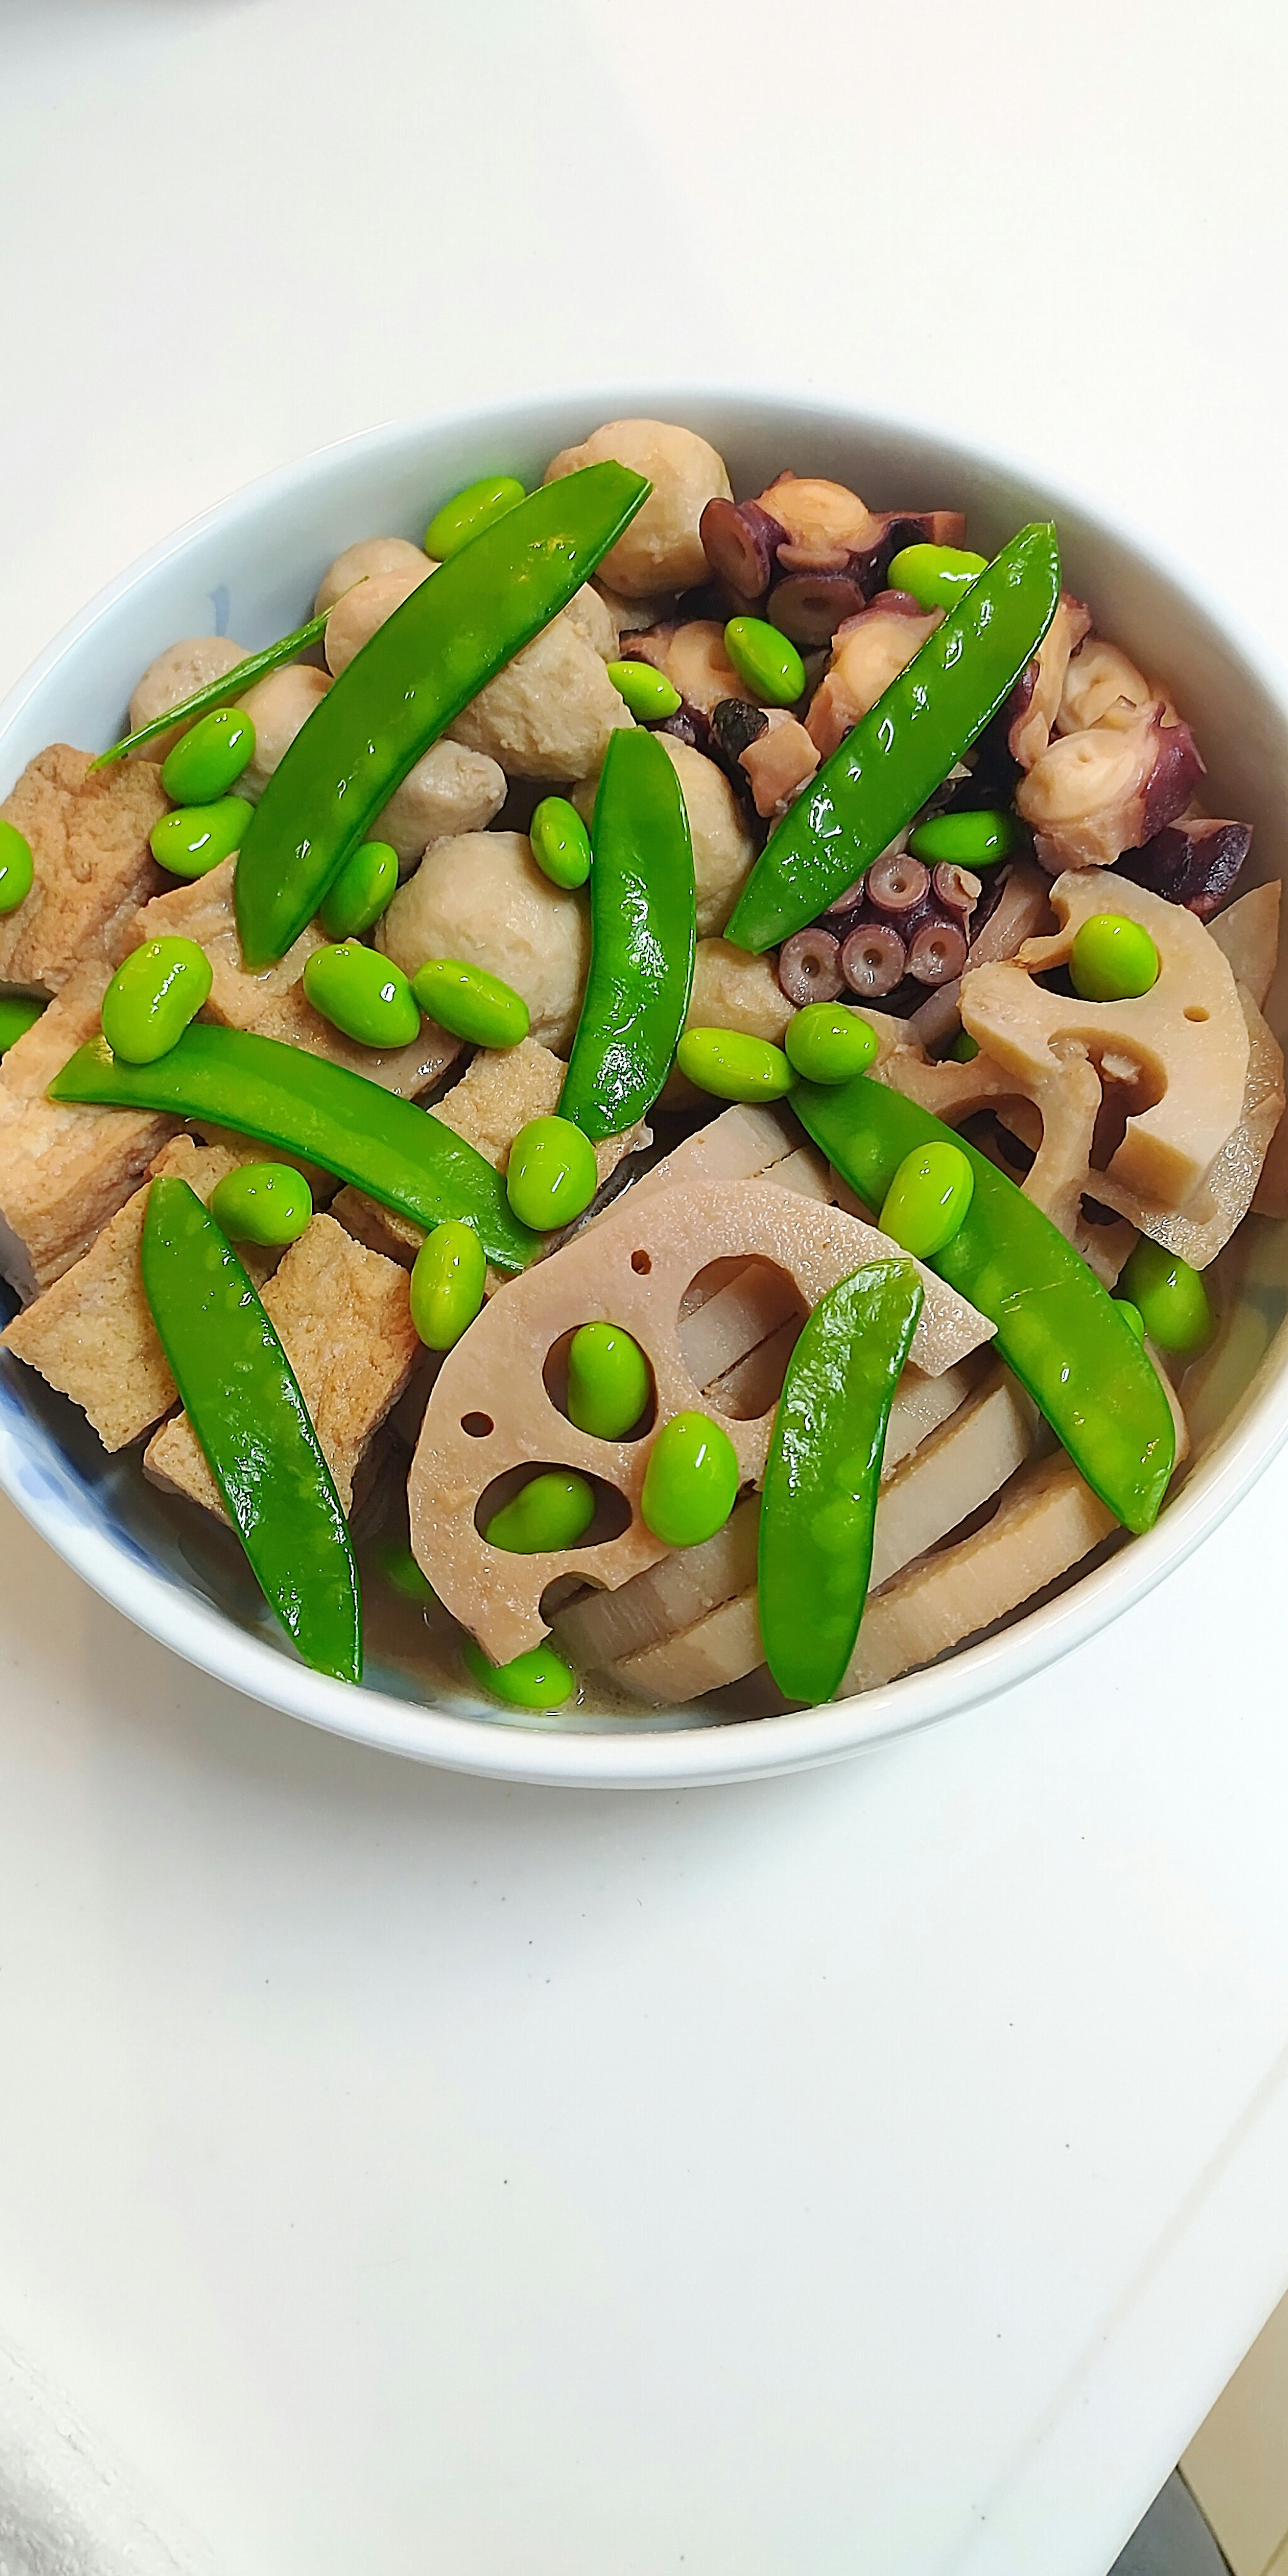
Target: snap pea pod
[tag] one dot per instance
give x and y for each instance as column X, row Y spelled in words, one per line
column 241, row 1397
column 823, row 1475
column 902, row 750
column 642, row 940
column 418, row 670
column 220, row 692
column 403, row 1156
column 1057, row 1326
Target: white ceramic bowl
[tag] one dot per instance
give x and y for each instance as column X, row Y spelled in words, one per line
column 249, row 569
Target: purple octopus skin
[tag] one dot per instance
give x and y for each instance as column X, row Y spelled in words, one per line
column 688, row 724
column 899, row 923
column 1195, row 863
column 809, row 967
column 751, row 551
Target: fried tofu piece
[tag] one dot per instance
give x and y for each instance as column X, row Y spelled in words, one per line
column 64, row 1170
column 272, row 1001
column 344, row 1317
column 93, row 868
column 92, row 1336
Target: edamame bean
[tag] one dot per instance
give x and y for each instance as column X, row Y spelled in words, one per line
column 152, row 997
column 18, row 1013
column 766, row 660
column 691, row 1481
column 269, row 1203
column 648, row 693
column 964, row 1048
column 1169, row 1297
column 608, row 1381
column 363, row 994
column 935, row 576
column 734, row 1066
column 193, row 840
column 552, row 1174
column 471, row 1004
column 399, row 1567
column 552, row 1511
column 539, row 1679
column 560, row 842
column 1131, row 1315
column 927, row 1200
column 447, row 1283
column 965, row 840
column 205, row 763
column 363, row 890
column 17, row 867
column 468, row 513
column 1113, row 959
column 827, row 1043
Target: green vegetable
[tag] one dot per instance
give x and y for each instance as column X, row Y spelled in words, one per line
column 468, row 513
column 926, row 1203
column 402, row 1156
column 552, row 1174
column 1169, row 1297
column 268, row 1203
column 447, row 1283
column 899, row 753
column 448, row 638
column 560, row 842
column 1131, row 1315
column 539, row 1679
column 1057, row 1326
column 210, row 759
column 824, row 1472
column 935, row 576
column 551, row 1511
column 221, row 692
column 642, row 940
column 1113, row 959
column 240, row 1395
column 733, row 1065
column 362, row 892
column 18, row 1013
column 770, row 665
column 648, row 693
column 17, row 867
column 608, row 1381
column 399, row 1567
column 828, row 1043
column 964, row 840
column 470, row 1003
column 964, row 1048
column 691, row 1481
column 152, row 997
column 193, row 840
column 362, row 993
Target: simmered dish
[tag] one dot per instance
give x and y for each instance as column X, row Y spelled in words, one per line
column 671, row 1079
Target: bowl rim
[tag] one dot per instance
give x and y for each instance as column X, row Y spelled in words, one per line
column 485, row 1744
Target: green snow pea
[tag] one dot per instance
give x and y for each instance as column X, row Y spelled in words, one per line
column 902, row 750
column 642, row 939
column 210, row 759
column 267, row 1203
column 193, row 840
column 152, row 997
column 1169, row 1297
column 219, row 693
column 935, row 576
column 539, row 1679
column 18, row 1013
column 401, row 1155
column 471, row 1004
column 828, row 1043
column 447, row 1283
column 608, row 1381
column 560, row 842
column 417, row 672
column 1057, row 1325
column 690, row 1482
column 965, row 839
column 17, row 867
column 468, row 513
column 926, row 1203
column 362, row 892
column 648, row 693
column 733, row 1065
column 552, row 1174
column 763, row 657
column 240, row 1394
column 363, row 994
column 550, row 1511
column 823, row 1475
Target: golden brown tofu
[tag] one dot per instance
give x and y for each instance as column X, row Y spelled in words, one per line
column 64, row 1171
column 93, row 867
column 92, row 1336
column 344, row 1317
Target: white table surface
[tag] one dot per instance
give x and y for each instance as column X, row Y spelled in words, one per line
column 880, row 2170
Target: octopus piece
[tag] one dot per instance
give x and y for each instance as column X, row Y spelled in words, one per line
column 662, row 548
column 819, row 546
column 1195, row 861
column 777, row 759
column 869, row 651
column 1089, row 796
column 549, row 713
column 1035, row 699
column 1098, row 677
column 481, row 897
column 901, row 919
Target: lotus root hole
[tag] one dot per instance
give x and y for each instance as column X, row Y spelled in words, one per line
column 555, row 1379
column 641, row 1262
column 1196, row 1012
column 612, row 1511
column 478, row 1426
column 738, row 1324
